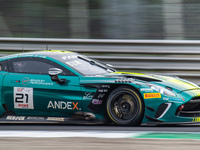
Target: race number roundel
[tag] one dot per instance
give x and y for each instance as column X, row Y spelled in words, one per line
column 23, row 98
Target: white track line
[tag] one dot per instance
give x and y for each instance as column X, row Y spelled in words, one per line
column 50, row 134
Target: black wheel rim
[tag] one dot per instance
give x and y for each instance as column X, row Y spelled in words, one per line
column 124, row 107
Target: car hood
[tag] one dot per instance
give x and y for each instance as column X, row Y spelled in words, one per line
column 177, row 84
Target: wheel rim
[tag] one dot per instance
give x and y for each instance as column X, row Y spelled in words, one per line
column 124, row 107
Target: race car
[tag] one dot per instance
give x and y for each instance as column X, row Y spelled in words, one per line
column 54, row 86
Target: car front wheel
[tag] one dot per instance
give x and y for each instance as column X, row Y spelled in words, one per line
column 125, row 106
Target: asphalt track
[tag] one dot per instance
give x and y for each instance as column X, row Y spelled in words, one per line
column 39, row 127
column 92, row 143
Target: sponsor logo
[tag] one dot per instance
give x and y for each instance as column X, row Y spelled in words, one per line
column 172, row 99
column 39, row 82
column 166, row 98
column 23, row 105
column 152, row 95
column 69, row 57
column 55, row 119
column 105, row 86
column 100, row 95
column 25, row 81
column 88, row 95
column 125, row 80
column 20, row 89
column 35, row 118
column 96, row 102
column 63, row 105
column 146, row 90
column 15, row 117
column 103, row 90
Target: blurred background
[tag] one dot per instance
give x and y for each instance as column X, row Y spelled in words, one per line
column 147, row 36
column 101, row 19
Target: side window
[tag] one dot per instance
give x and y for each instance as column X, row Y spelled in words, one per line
column 35, row 66
column 29, row 66
column 3, row 66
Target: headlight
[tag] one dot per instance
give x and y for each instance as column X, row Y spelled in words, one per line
column 161, row 90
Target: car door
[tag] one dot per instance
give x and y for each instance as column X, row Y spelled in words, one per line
column 28, row 89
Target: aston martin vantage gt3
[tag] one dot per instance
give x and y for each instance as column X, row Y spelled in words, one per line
column 56, row 86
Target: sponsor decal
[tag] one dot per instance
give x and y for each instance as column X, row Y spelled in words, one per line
column 63, row 105
column 35, row 118
column 100, row 95
column 23, row 105
column 96, row 102
column 88, row 95
column 172, row 99
column 15, row 117
column 125, row 80
column 40, row 82
column 146, row 90
column 23, row 98
column 20, row 89
column 73, row 63
column 25, row 81
column 105, row 86
column 152, row 95
column 103, row 90
column 69, row 57
column 55, row 119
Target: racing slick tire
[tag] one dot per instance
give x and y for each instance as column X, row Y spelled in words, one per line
column 125, row 106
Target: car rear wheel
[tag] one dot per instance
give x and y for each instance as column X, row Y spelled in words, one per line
column 125, row 106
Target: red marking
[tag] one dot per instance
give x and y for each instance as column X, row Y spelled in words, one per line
column 19, row 90
column 23, row 105
column 183, row 99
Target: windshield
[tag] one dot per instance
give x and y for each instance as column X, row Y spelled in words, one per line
column 84, row 65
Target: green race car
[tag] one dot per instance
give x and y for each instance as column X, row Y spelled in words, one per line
column 55, row 86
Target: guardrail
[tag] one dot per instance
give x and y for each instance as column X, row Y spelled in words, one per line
column 171, row 57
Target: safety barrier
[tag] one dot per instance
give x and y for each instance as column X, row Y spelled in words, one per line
column 168, row 57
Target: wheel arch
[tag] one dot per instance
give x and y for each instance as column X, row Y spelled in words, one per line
column 106, row 89
column 127, row 86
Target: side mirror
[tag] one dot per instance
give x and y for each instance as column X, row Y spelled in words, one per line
column 54, row 72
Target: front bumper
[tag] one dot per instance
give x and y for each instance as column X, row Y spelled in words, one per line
column 185, row 109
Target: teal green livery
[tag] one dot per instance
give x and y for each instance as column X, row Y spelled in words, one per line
column 54, row 86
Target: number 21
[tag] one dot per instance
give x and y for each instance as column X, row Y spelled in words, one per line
column 20, row 97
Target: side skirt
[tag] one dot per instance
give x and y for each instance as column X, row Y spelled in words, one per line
column 47, row 120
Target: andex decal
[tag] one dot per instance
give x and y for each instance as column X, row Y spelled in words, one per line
column 63, row 105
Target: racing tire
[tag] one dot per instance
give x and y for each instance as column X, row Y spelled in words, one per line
column 125, row 106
